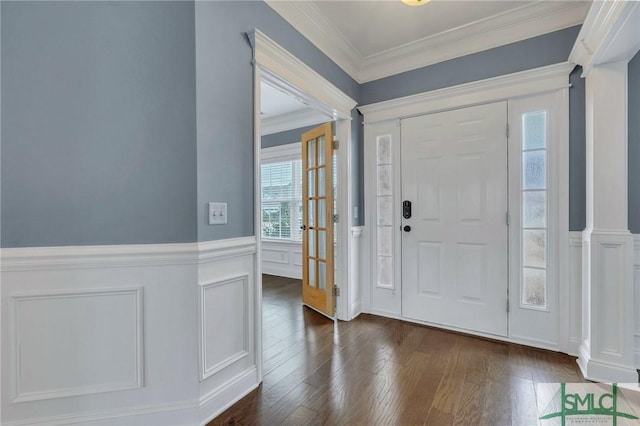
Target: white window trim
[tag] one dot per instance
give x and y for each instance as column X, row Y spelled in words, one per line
column 383, row 118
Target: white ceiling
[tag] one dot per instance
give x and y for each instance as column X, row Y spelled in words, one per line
column 372, row 39
column 280, row 111
column 274, row 102
column 371, row 27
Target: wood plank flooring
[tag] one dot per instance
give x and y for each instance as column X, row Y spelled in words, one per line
column 379, row 371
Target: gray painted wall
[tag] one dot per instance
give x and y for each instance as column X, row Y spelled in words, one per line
column 536, row 52
column 225, row 104
column 98, row 123
column 284, row 138
column 634, row 144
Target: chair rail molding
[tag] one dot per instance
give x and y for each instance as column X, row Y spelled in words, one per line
column 89, row 331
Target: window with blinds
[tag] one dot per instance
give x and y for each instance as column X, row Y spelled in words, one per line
column 282, row 200
column 281, row 188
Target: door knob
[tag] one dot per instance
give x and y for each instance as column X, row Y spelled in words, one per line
column 303, row 227
column 407, row 228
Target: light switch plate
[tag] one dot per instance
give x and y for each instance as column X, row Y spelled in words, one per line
column 217, row 213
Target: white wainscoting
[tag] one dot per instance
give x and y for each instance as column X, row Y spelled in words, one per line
column 282, row 258
column 139, row 334
column 356, row 271
column 636, row 278
column 575, row 271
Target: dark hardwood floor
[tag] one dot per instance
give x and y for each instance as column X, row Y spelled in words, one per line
column 378, row 371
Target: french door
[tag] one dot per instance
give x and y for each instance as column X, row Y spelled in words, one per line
column 454, row 226
column 317, row 223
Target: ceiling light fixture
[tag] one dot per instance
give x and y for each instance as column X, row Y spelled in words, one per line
column 415, row 2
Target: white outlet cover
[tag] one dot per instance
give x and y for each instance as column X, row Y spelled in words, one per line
column 217, row 213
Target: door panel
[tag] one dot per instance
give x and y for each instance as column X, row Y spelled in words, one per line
column 454, row 258
column 317, row 235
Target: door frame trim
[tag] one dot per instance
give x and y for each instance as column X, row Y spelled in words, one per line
column 384, row 118
column 283, row 70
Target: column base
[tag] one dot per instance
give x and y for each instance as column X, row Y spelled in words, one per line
column 604, row 371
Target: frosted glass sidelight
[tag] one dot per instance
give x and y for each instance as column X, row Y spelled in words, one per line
column 384, row 180
column 385, row 240
column 322, row 213
column 534, row 209
column 321, row 150
column 534, row 245
column 311, row 156
column 384, row 149
column 534, row 127
column 385, row 211
column 534, row 283
column 534, row 170
column 385, row 271
column 322, row 275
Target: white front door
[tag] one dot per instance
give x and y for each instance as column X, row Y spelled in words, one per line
column 454, row 244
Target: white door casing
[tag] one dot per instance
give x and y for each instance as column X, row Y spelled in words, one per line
column 454, row 258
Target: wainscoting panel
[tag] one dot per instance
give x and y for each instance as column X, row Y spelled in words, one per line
column 97, row 337
column 143, row 334
column 282, row 258
column 224, row 307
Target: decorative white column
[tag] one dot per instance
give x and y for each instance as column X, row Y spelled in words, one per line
column 607, row 352
column 608, row 39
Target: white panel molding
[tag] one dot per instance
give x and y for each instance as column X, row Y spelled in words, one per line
column 518, row 24
column 159, row 389
column 206, row 370
column 537, row 80
column 91, row 257
column 575, row 292
column 282, row 258
column 16, row 348
column 292, row 120
column 286, row 152
column 322, row 95
column 636, row 279
column 610, row 33
column 355, row 305
column 514, row 25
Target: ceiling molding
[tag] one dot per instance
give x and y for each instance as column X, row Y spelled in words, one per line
column 610, row 33
column 537, row 80
column 514, row 25
column 292, row 120
column 312, row 24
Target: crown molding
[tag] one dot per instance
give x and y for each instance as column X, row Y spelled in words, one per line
column 610, row 33
column 293, row 120
column 312, row 24
column 509, row 27
column 514, row 25
column 537, row 80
